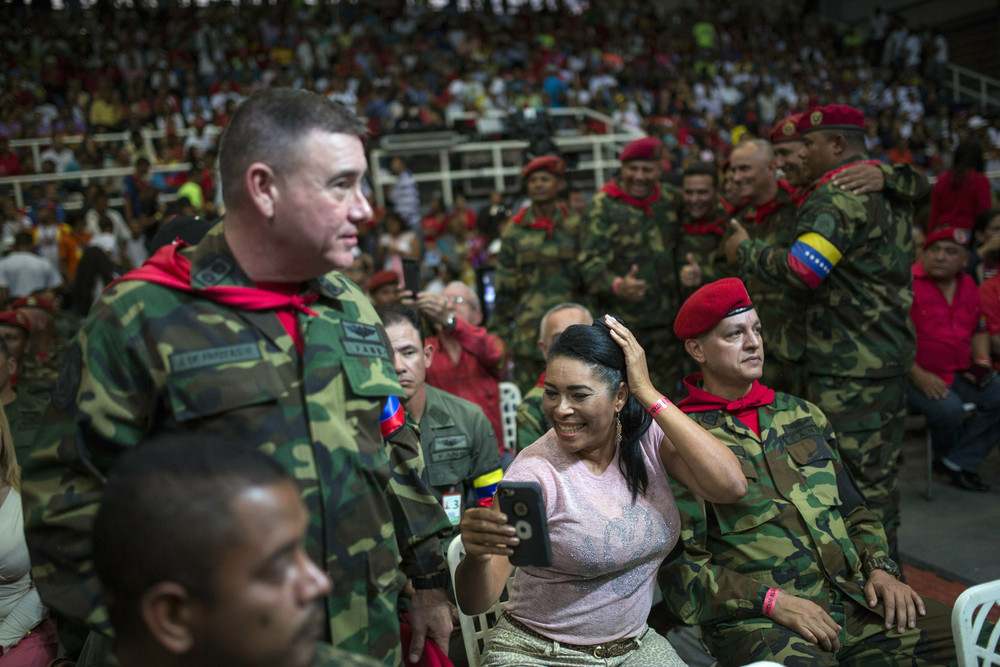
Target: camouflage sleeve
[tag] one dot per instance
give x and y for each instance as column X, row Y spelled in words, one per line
column 905, row 183
column 419, row 520
column 863, row 529
column 692, row 580
column 490, row 350
column 530, row 421
column 505, row 305
column 596, row 252
column 823, row 235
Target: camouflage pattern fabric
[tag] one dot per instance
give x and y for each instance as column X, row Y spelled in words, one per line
column 788, row 532
column 531, row 419
column 24, row 414
column 327, row 656
column 904, row 183
column 38, row 375
column 150, row 358
column 534, row 273
column 705, row 246
column 867, row 415
column 614, row 236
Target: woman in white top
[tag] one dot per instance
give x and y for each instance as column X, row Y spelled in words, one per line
column 605, row 470
column 27, row 637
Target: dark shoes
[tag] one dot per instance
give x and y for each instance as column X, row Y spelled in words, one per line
column 963, row 479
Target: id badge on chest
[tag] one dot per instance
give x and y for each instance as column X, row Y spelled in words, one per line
column 452, row 503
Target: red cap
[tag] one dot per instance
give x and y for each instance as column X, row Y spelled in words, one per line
column 381, row 279
column 832, row 117
column 786, row 130
column 647, row 148
column 34, row 302
column 953, row 234
column 709, row 305
column 15, row 319
column 550, row 163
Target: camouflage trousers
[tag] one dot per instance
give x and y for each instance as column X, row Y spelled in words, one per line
column 665, row 358
column 867, row 415
column 864, row 640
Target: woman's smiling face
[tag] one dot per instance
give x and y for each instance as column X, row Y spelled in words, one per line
column 579, row 406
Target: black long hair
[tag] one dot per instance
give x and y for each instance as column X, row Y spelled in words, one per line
column 592, row 344
column 968, row 156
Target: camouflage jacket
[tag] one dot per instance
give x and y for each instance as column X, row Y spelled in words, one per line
column 155, row 359
column 534, row 273
column 38, row 375
column 850, row 262
column 800, row 527
column 703, row 239
column 531, row 420
column 24, row 414
column 614, row 235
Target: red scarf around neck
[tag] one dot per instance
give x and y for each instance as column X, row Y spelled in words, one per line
column 548, row 224
column 744, row 409
column 615, row 192
column 828, row 176
column 705, row 226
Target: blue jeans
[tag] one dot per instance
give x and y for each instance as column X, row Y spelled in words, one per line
column 964, row 443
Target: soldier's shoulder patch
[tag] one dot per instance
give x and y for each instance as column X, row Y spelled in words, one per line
column 217, row 268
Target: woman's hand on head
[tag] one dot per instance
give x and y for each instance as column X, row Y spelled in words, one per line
column 485, row 532
column 635, row 359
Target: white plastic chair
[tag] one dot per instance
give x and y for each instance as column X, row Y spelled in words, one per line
column 474, row 628
column 510, row 398
column 967, row 619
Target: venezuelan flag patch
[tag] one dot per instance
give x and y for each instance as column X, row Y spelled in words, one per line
column 393, row 417
column 486, row 486
column 812, row 258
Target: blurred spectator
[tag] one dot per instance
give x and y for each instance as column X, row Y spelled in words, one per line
column 10, row 161
column 396, row 243
column 434, row 223
column 962, row 192
column 492, row 215
column 60, row 154
column 404, row 194
column 984, row 261
column 101, row 209
column 383, row 289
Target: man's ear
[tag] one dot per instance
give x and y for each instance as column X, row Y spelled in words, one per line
column 170, row 614
column 428, row 355
column 259, row 181
column 839, row 144
column 693, row 347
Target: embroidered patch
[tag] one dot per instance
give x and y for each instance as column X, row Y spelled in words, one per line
column 213, row 274
column 450, row 448
column 816, row 118
column 362, row 340
column 788, row 129
column 188, row 361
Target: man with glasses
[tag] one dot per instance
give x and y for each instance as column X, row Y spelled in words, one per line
column 469, row 362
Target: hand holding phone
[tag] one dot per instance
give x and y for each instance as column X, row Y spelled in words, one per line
column 523, row 504
column 411, row 275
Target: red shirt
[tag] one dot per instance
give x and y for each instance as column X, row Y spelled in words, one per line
column 944, row 331
column 958, row 207
column 477, row 374
column 989, row 292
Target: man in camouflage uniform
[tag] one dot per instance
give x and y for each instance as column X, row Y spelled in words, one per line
column 22, row 408
column 850, row 265
column 15, row 330
column 628, row 237
column 797, row 571
column 536, row 267
column 247, row 336
column 531, row 420
column 44, row 356
column 704, row 220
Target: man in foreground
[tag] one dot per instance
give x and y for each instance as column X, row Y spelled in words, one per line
column 797, row 571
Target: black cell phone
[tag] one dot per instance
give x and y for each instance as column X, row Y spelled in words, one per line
column 525, row 510
column 411, row 275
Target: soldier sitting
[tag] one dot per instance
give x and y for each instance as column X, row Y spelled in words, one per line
column 200, row 546
column 797, row 571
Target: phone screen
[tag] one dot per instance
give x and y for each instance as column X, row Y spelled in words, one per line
column 411, row 275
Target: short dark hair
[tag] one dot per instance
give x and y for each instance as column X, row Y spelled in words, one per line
column 165, row 517
column 703, row 169
column 268, row 127
column 400, row 314
column 22, row 239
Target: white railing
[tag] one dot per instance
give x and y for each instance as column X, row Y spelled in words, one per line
column 967, row 84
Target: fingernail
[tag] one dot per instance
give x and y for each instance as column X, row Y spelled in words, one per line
column 414, row 657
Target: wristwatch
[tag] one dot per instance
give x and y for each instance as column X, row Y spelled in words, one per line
column 429, row 581
column 882, row 563
column 449, row 324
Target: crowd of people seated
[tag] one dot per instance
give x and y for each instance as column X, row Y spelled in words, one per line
column 785, row 161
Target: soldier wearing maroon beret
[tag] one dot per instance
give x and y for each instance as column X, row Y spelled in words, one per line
column 629, row 237
column 536, row 267
column 15, row 328
column 848, row 262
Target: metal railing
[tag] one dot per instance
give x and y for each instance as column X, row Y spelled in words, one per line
column 967, row 84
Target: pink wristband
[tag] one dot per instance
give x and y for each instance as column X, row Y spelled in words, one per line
column 616, row 285
column 772, row 595
column 659, row 406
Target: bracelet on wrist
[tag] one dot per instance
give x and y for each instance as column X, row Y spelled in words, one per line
column 769, row 599
column 659, row 406
column 983, row 361
column 616, row 285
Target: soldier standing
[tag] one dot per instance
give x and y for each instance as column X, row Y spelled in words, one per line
column 536, row 267
column 627, row 240
column 251, row 335
column 850, row 263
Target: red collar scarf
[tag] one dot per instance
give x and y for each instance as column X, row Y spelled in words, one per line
column 705, row 226
column 615, row 192
column 828, row 176
column 744, row 409
column 548, row 224
column 761, row 212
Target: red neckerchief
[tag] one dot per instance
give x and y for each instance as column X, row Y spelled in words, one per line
column 171, row 269
column 828, row 176
column 744, row 409
column 541, row 380
column 731, row 208
column 705, row 226
column 761, row 212
column 615, row 192
column 539, row 223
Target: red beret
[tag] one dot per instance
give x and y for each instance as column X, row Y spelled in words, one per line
column 15, row 319
column 786, row 130
column 832, row 117
column 550, row 163
column 34, row 302
column 710, row 304
column 953, row 234
column 381, row 279
column 647, row 148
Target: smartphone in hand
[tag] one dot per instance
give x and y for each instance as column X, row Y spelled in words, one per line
column 523, row 504
column 411, row 275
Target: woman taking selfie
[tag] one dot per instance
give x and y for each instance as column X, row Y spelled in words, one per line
column 604, row 470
